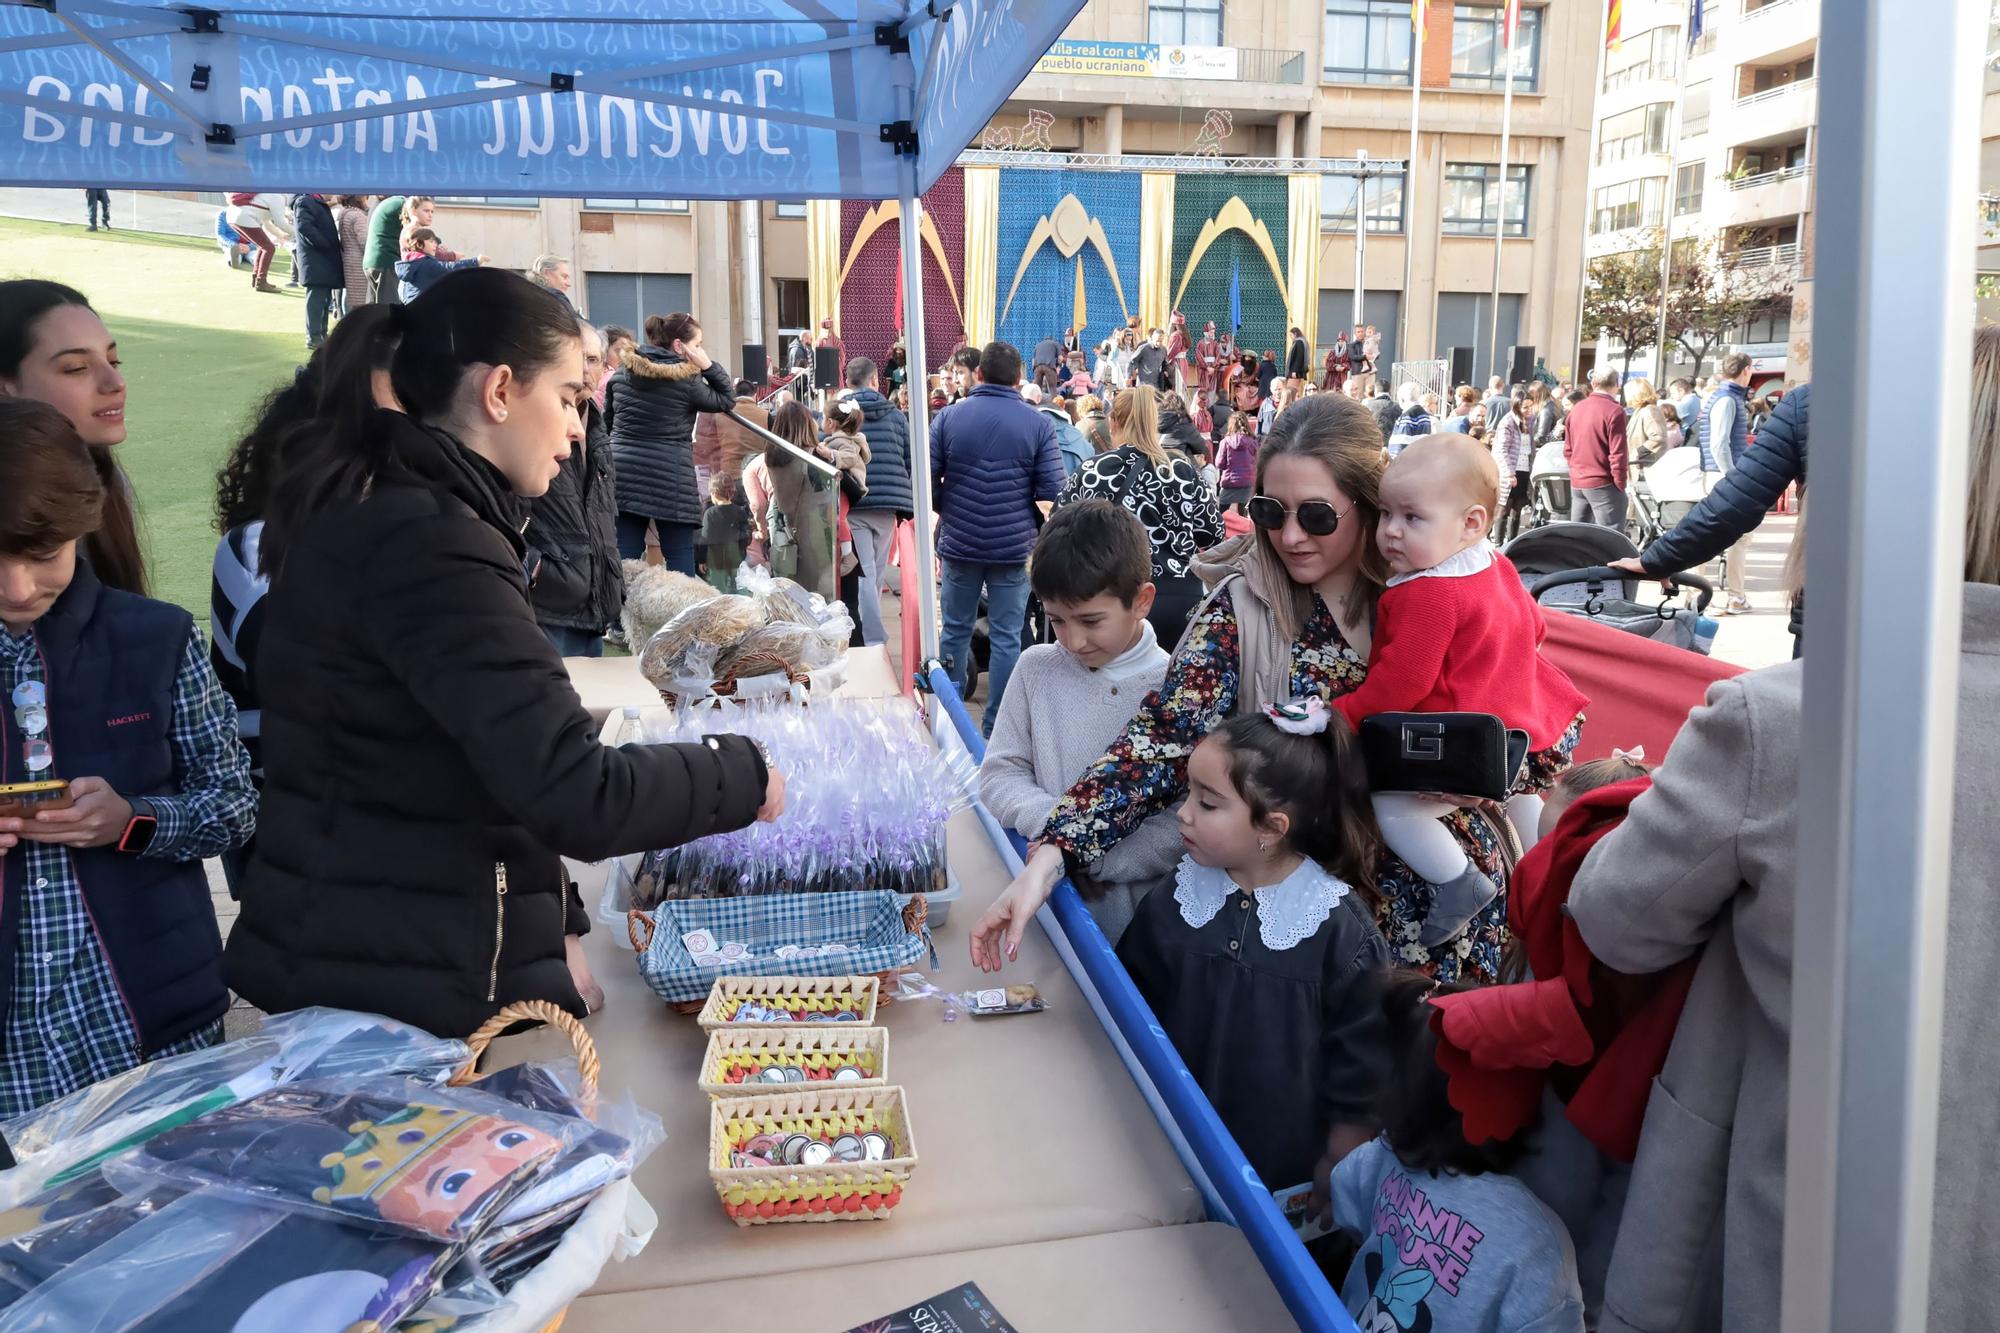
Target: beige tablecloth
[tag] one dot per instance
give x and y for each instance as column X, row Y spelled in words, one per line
column 1027, row 1128
column 1159, row 1279
column 609, row 684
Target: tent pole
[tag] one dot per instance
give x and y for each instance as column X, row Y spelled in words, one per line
column 1879, row 713
column 917, row 377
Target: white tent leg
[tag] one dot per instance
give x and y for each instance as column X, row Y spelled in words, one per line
column 1883, row 603
column 917, row 378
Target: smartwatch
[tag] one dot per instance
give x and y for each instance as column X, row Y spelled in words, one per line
column 138, row 835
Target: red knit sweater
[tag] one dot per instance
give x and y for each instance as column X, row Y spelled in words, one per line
column 1466, row 645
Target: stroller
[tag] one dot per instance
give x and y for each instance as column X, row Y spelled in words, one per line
column 1548, row 475
column 1564, row 566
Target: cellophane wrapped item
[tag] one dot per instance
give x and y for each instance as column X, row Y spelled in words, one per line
column 786, row 601
column 685, row 649
column 58, row 1142
column 867, row 795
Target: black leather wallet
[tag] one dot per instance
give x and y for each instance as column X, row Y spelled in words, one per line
column 1454, row 754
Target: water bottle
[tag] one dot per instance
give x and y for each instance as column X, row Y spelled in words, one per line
column 631, row 728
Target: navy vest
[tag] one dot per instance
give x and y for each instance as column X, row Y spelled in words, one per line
column 110, row 659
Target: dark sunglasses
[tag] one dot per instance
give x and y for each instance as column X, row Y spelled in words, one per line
column 1317, row 517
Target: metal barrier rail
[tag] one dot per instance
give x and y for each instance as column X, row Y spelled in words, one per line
column 1250, row 1208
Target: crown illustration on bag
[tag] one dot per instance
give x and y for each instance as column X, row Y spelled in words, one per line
column 382, row 1151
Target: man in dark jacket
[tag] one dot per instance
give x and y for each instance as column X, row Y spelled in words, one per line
column 1298, row 361
column 316, row 247
column 649, row 411
column 1149, row 360
column 1739, row 502
column 1267, row 375
column 1594, row 444
column 992, row 458
column 889, row 500
column 572, row 534
column 1048, row 362
column 1386, row 411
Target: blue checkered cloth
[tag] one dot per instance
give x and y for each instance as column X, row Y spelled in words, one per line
column 67, row 1023
column 870, row 924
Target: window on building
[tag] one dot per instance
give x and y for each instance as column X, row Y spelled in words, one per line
column 638, row 205
column 1479, row 53
column 793, row 308
column 1689, row 180
column 1649, row 55
column 1694, row 108
column 1383, row 309
column 1773, row 326
column 792, row 210
column 1472, row 201
column 1634, row 133
column 627, row 298
column 1706, row 42
column 487, row 201
column 1627, row 204
column 1368, row 41
column 1384, row 196
column 1184, row 22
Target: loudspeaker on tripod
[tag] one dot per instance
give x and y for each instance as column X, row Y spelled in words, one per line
column 756, row 363
column 1460, row 359
column 826, row 367
column 1520, row 365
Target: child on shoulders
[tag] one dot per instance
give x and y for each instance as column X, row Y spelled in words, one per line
column 1450, row 1241
column 1260, row 963
column 1456, row 631
column 1068, row 700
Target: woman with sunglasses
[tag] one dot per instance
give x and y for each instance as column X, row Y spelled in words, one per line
column 111, row 940
column 1163, row 491
column 1290, row 613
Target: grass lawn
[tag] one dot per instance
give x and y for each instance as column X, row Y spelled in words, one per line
column 200, row 351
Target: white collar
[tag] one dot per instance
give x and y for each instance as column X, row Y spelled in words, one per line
column 1474, row 559
column 1288, row 912
column 1134, row 659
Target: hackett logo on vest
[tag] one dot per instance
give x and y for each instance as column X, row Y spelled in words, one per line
column 128, row 719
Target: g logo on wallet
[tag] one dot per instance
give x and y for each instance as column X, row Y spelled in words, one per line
column 1423, row 740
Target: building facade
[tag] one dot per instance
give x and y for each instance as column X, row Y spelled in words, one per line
column 1259, row 81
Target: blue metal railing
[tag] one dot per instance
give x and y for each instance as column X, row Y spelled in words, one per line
column 1244, row 1197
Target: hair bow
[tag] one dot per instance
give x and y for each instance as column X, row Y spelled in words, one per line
column 1300, row 717
column 1637, row 754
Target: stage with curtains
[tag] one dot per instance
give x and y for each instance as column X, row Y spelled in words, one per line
column 1022, row 252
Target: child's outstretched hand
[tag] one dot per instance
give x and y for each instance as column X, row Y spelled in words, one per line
column 996, row 939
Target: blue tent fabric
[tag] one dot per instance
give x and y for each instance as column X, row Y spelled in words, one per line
column 724, row 99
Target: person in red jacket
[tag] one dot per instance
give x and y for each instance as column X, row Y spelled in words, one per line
column 1456, row 632
column 1594, row 444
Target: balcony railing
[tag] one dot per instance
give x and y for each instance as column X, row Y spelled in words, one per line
column 1758, row 11
column 1773, row 94
column 1261, row 66
column 1652, row 69
column 1769, row 177
column 1763, row 256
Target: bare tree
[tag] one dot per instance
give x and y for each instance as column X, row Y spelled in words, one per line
column 1622, row 297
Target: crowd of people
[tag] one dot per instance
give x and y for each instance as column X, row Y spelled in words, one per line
column 1195, row 575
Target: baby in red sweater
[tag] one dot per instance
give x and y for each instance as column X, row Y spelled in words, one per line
column 1456, row 632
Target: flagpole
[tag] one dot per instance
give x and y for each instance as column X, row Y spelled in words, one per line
column 1667, row 209
column 1500, row 220
column 1410, row 179
column 1583, row 279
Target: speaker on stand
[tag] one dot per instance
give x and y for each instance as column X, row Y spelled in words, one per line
column 1520, row 365
column 756, row 363
column 826, row 367
column 1460, row 360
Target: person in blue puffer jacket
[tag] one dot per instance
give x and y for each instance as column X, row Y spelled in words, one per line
column 993, row 457
column 420, row 267
column 890, row 499
column 1740, row 500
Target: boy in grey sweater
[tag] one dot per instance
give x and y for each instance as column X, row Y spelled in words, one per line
column 1069, row 700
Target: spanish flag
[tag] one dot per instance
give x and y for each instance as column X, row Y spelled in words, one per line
column 1420, row 15
column 1614, row 20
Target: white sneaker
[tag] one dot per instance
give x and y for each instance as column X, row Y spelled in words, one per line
column 1739, row 605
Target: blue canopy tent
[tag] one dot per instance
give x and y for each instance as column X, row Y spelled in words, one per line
column 729, row 99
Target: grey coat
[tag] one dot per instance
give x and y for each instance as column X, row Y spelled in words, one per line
column 1708, row 857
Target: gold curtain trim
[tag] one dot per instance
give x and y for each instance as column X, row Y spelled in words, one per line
column 1156, row 248
column 1234, row 216
column 823, row 261
column 982, row 232
column 1305, row 256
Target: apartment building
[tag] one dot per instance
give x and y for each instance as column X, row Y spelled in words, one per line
column 1254, row 81
column 1715, row 141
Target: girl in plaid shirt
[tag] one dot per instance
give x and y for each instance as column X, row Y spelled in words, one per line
column 111, row 946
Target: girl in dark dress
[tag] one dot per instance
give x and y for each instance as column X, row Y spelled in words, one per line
column 1259, row 963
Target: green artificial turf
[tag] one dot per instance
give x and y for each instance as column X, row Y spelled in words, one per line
column 200, row 351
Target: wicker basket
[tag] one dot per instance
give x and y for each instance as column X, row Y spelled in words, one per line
column 753, row 664
column 536, row 1011
column 813, row 994
column 813, row 1050
column 830, row 1192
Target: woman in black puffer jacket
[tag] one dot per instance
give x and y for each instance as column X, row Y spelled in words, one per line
column 649, row 411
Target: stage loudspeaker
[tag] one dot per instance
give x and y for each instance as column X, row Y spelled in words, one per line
column 1520, row 365
column 1461, row 365
column 826, row 367
column 756, row 363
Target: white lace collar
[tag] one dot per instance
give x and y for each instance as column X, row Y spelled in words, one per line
column 1473, row 559
column 1288, row 912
